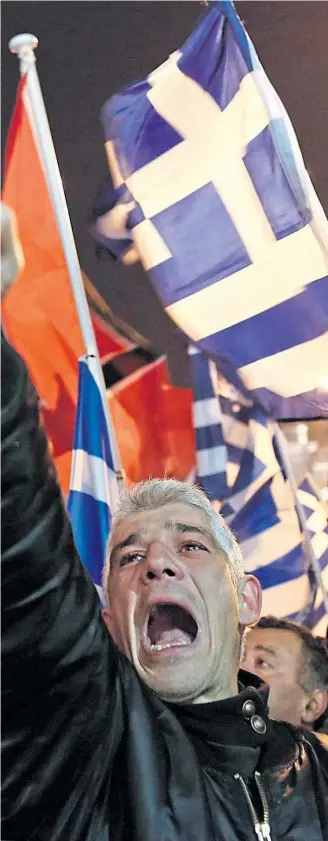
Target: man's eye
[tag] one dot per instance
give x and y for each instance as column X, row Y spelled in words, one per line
column 130, row 557
column 262, row 664
column 192, row 546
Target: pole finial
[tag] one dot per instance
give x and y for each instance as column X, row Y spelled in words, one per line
column 23, row 46
column 21, row 42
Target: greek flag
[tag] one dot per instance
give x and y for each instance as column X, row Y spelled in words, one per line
column 239, row 469
column 94, row 492
column 317, row 525
column 211, row 192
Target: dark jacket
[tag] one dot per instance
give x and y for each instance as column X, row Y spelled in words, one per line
column 89, row 752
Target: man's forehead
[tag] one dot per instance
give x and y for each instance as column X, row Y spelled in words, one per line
column 175, row 517
column 278, row 640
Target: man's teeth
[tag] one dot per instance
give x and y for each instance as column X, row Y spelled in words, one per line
column 157, row 646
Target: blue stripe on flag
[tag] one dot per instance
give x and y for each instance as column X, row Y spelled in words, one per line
column 211, row 433
column 287, row 568
column 304, row 405
column 257, row 515
column 310, row 619
column 91, row 430
column 316, row 614
column 323, row 559
column 236, row 341
column 213, row 485
column 272, row 186
column 91, row 525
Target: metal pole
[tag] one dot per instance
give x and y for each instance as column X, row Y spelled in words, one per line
column 284, row 455
column 23, row 46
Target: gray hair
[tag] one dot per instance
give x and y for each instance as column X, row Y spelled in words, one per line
column 155, row 493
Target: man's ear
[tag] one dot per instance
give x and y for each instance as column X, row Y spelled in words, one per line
column 314, row 707
column 250, row 600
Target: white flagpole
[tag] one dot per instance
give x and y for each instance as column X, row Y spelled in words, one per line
column 282, row 446
column 23, row 46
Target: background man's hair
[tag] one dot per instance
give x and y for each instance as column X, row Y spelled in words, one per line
column 154, row 494
column 314, row 665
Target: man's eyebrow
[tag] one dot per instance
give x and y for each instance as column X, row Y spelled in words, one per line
column 265, row 648
column 182, row 528
column 135, row 537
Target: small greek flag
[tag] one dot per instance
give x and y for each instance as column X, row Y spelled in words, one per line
column 94, row 490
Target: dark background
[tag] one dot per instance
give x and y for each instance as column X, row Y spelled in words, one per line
column 90, row 49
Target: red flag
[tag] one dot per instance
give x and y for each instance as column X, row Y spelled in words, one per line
column 153, row 424
column 39, row 312
column 152, row 419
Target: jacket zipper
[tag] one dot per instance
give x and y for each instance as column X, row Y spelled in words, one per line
column 262, row 828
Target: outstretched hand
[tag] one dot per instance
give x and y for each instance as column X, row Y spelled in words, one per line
column 12, row 257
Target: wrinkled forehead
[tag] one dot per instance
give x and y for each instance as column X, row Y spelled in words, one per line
column 283, row 644
column 171, row 517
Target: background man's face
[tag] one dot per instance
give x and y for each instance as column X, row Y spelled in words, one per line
column 173, row 607
column 276, row 657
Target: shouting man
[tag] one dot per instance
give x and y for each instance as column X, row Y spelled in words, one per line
column 142, row 733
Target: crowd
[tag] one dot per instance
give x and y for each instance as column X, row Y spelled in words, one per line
column 143, row 724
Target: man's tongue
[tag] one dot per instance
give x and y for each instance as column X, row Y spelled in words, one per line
column 167, row 626
column 174, row 636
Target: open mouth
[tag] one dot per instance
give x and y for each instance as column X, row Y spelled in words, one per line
column 170, row 626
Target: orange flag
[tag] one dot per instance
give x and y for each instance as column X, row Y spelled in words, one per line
column 39, row 313
column 152, row 418
column 153, row 423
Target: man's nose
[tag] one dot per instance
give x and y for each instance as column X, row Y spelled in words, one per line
column 160, row 564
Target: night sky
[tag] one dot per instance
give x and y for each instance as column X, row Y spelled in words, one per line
column 90, row 49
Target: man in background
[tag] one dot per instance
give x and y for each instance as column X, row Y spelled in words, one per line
column 294, row 664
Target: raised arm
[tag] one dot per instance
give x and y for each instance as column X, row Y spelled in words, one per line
column 60, row 692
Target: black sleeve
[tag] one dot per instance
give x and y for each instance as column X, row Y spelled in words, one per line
column 61, row 719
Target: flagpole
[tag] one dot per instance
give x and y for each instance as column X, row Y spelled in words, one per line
column 23, row 46
column 285, row 460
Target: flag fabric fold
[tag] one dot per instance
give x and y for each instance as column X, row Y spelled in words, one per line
column 94, row 491
column 239, row 468
column 317, row 524
column 211, row 191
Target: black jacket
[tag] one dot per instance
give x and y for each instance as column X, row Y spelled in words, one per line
column 89, row 752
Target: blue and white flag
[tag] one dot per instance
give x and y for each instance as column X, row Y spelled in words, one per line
column 94, row 492
column 317, row 524
column 239, row 469
column 211, row 192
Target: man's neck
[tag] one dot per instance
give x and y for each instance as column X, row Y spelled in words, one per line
column 219, row 693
